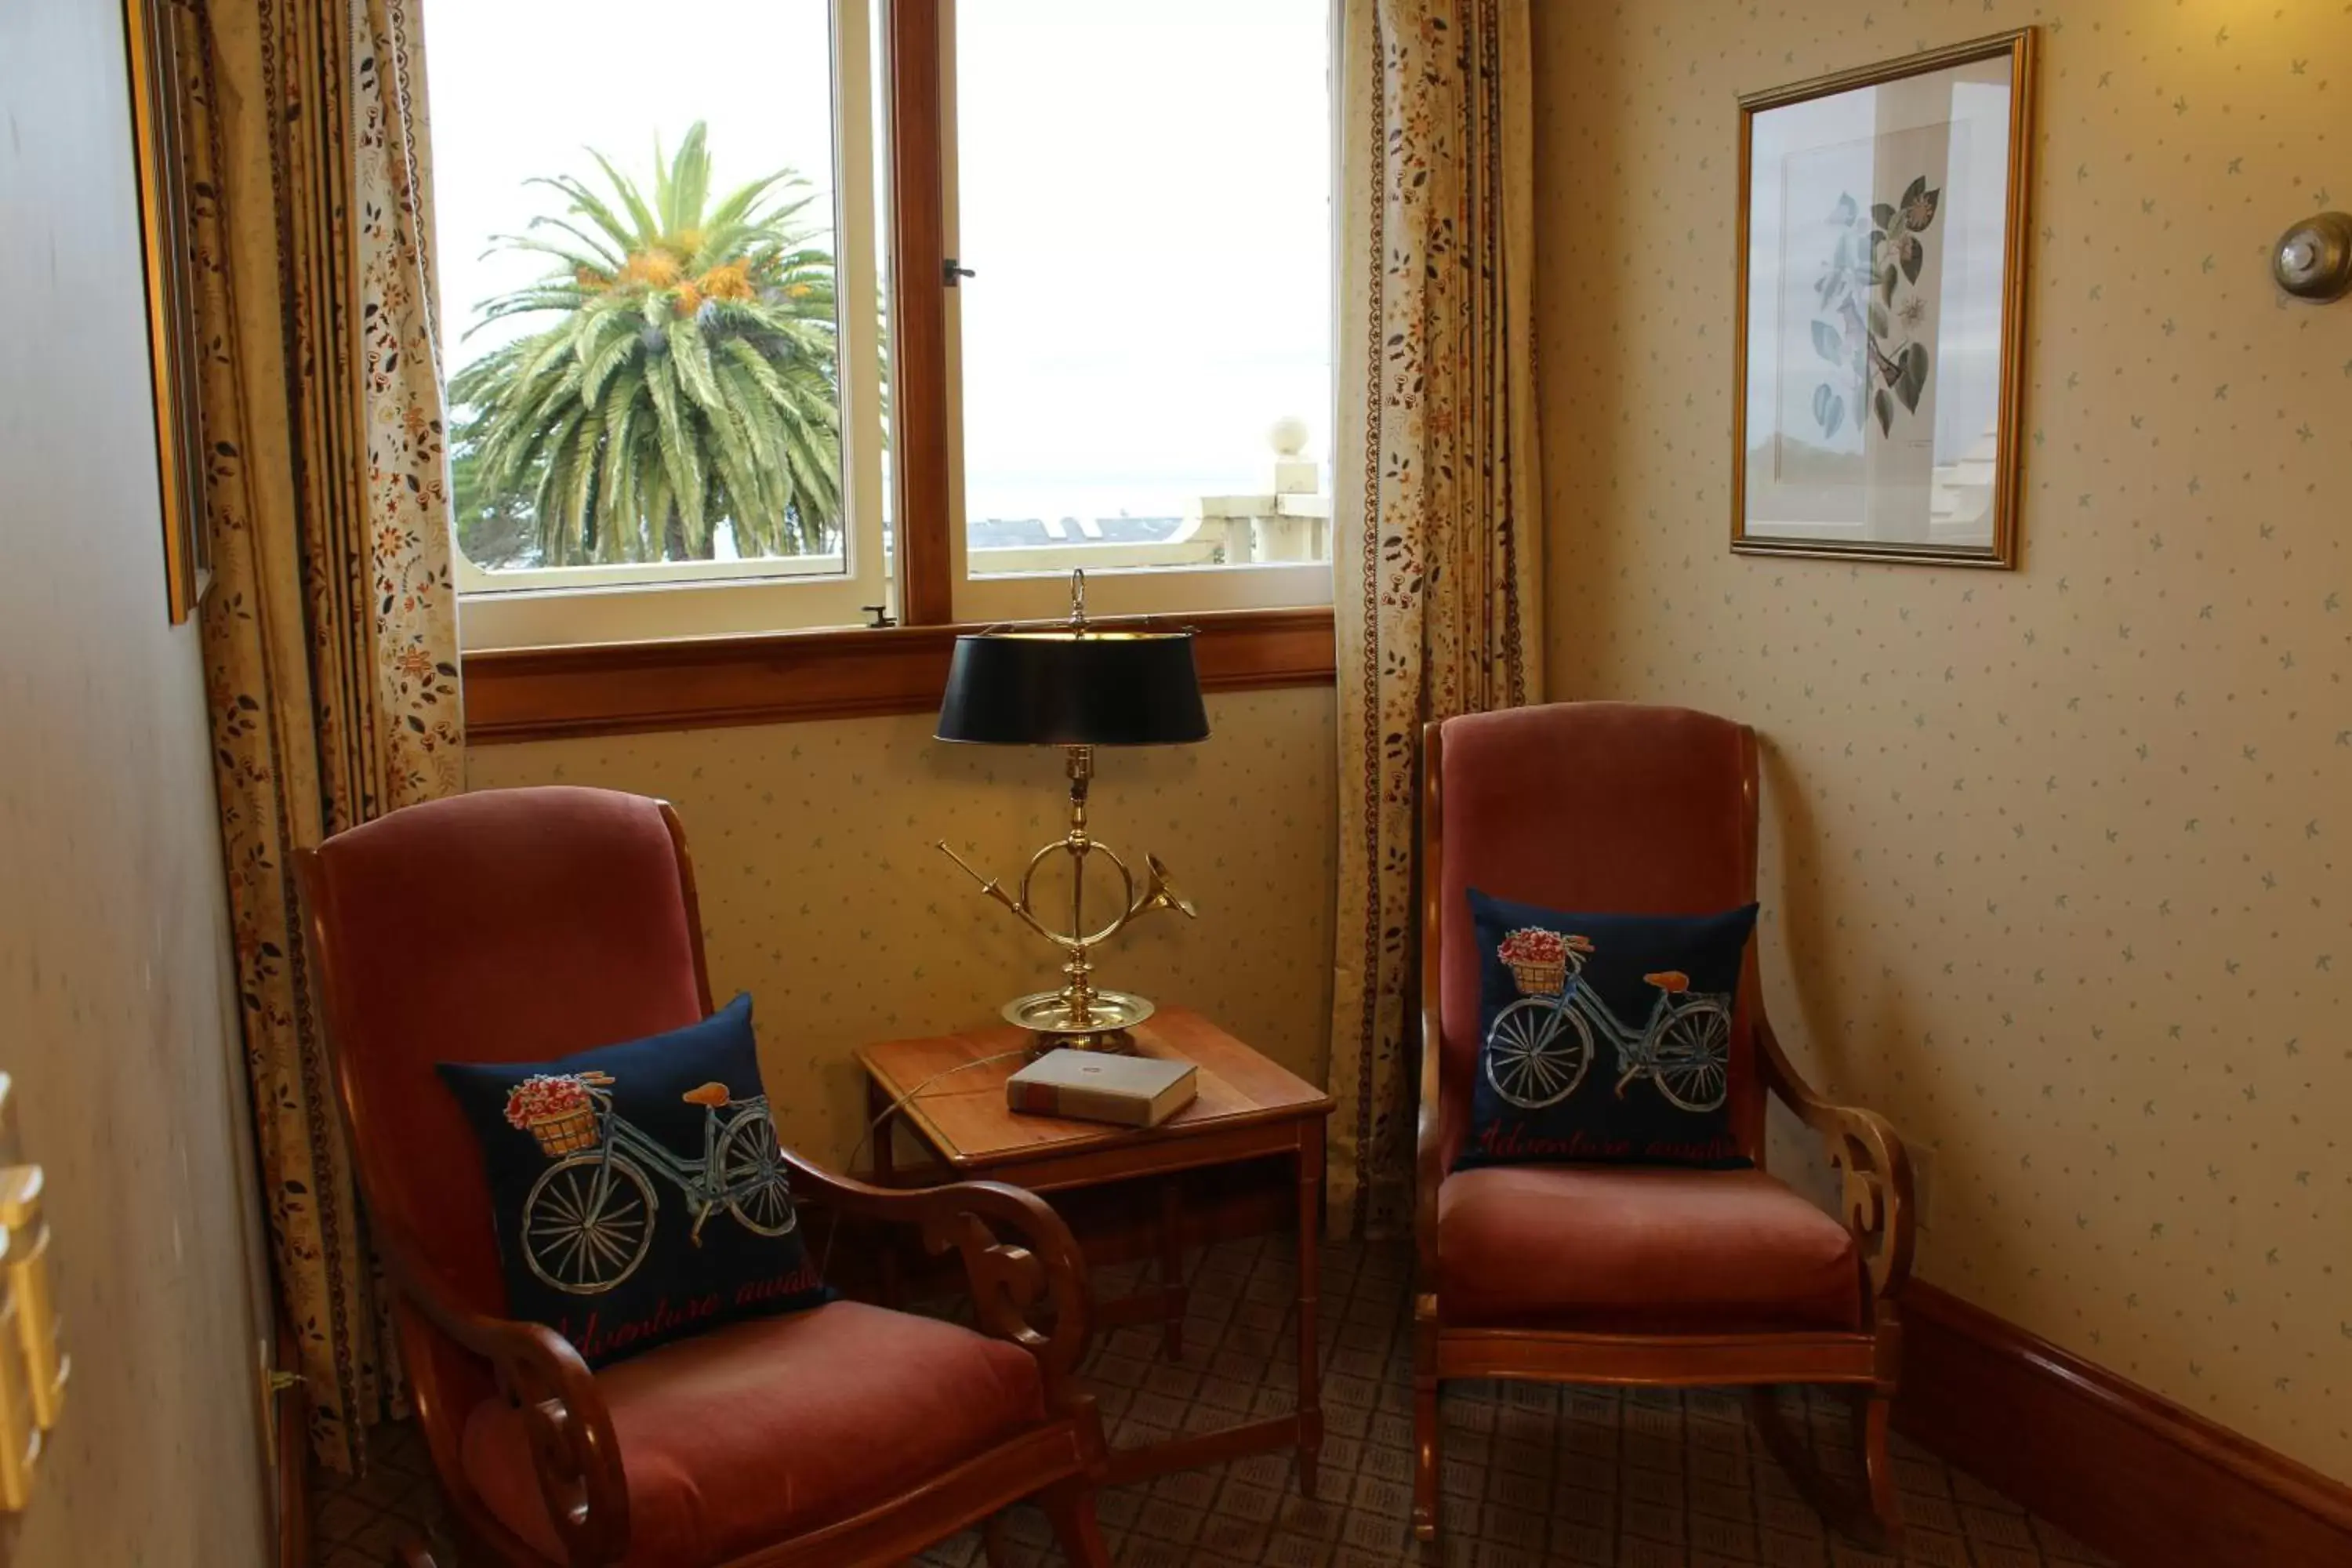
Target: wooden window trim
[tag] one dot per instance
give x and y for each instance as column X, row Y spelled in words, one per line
column 782, row 678
column 918, row 314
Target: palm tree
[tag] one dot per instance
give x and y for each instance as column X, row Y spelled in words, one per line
column 691, row 379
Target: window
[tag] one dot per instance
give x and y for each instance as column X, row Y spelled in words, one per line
column 1144, row 196
column 664, row 290
column 660, row 319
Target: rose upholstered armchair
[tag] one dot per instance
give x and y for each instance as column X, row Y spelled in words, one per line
column 1635, row 1275
column 519, row 925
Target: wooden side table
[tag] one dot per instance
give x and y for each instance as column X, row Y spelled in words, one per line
column 1248, row 1108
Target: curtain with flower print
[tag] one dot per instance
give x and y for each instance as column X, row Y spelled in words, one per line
column 1436, row 557
column 329, row 631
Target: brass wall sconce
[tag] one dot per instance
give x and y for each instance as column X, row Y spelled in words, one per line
column 1078, row 687
column 2313, row 259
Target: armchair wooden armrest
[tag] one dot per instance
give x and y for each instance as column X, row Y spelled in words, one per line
column 1008, row 1277
column 574, row 1452
column 1429, row 1156
column 1876, row 1172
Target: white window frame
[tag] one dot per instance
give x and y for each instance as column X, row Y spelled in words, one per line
column 554, row 605
column 1042, row 593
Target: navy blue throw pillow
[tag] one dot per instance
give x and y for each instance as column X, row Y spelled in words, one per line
column 637, row 1189
column 1605, row 1038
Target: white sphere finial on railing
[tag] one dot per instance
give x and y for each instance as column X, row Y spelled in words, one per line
column 1287, row 435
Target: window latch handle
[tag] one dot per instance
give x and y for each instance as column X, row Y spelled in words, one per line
column 881, row 614
column 952, row 269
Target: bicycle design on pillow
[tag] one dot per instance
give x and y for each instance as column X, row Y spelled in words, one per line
column 588, row 1220
column 1539, row 1047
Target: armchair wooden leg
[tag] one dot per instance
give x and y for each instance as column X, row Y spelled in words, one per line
column 1424, row 1421
column 1424, row 1458
column 1870, row 1514
column 1873, row 1430
column 991, row 1542
column 1070, row 1508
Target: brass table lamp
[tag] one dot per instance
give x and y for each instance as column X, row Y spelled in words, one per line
column 1077, row 687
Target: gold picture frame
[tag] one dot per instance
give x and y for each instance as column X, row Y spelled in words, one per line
column 153, row 37
column 1878, row 372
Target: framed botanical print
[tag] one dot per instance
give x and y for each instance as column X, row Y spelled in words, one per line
column 1881, row 309
column 152, row 32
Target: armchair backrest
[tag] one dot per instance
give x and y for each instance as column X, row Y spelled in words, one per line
column 509, row 925
column 1596, row 807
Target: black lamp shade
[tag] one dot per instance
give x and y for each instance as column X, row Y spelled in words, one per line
column 1067, row 688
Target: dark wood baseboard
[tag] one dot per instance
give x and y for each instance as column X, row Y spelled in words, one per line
column 2129, row 1472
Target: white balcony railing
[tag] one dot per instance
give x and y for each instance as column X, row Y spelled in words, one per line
column 1289, row 523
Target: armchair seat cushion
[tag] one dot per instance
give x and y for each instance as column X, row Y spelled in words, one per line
column 771, row 1427
column 1628, row 1249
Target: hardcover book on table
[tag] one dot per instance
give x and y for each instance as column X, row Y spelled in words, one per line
column 1095, row 1086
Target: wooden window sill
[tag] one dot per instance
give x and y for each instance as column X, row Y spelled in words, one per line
column 784, row 677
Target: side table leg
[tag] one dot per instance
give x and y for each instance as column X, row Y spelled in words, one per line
column 1171, row 1269
column 1310, row 1378
column 885, row 1171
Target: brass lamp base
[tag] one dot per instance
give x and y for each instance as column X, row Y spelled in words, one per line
column 1055, row 1018
column 1081, row 1014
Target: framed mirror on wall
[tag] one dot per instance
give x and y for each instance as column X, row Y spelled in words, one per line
column 158, row 59
column 1881, row 243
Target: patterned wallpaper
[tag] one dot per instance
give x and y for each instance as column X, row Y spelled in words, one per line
column 2055, row 865
column 115, row 1007
column 822, row 897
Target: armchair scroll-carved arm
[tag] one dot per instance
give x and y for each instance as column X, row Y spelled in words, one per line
column 1875, row 1173
column 573, row 1453
column 1008, row 1277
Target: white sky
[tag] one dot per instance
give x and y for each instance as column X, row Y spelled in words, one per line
column 1144, row 192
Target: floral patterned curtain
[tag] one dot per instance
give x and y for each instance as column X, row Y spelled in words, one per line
column 1437, row 558
column 329, row 631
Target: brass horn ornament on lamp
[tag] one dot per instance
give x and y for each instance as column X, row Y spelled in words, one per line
column 1077, row 687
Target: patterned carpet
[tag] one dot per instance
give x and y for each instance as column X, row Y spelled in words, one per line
column 1533, row 1475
